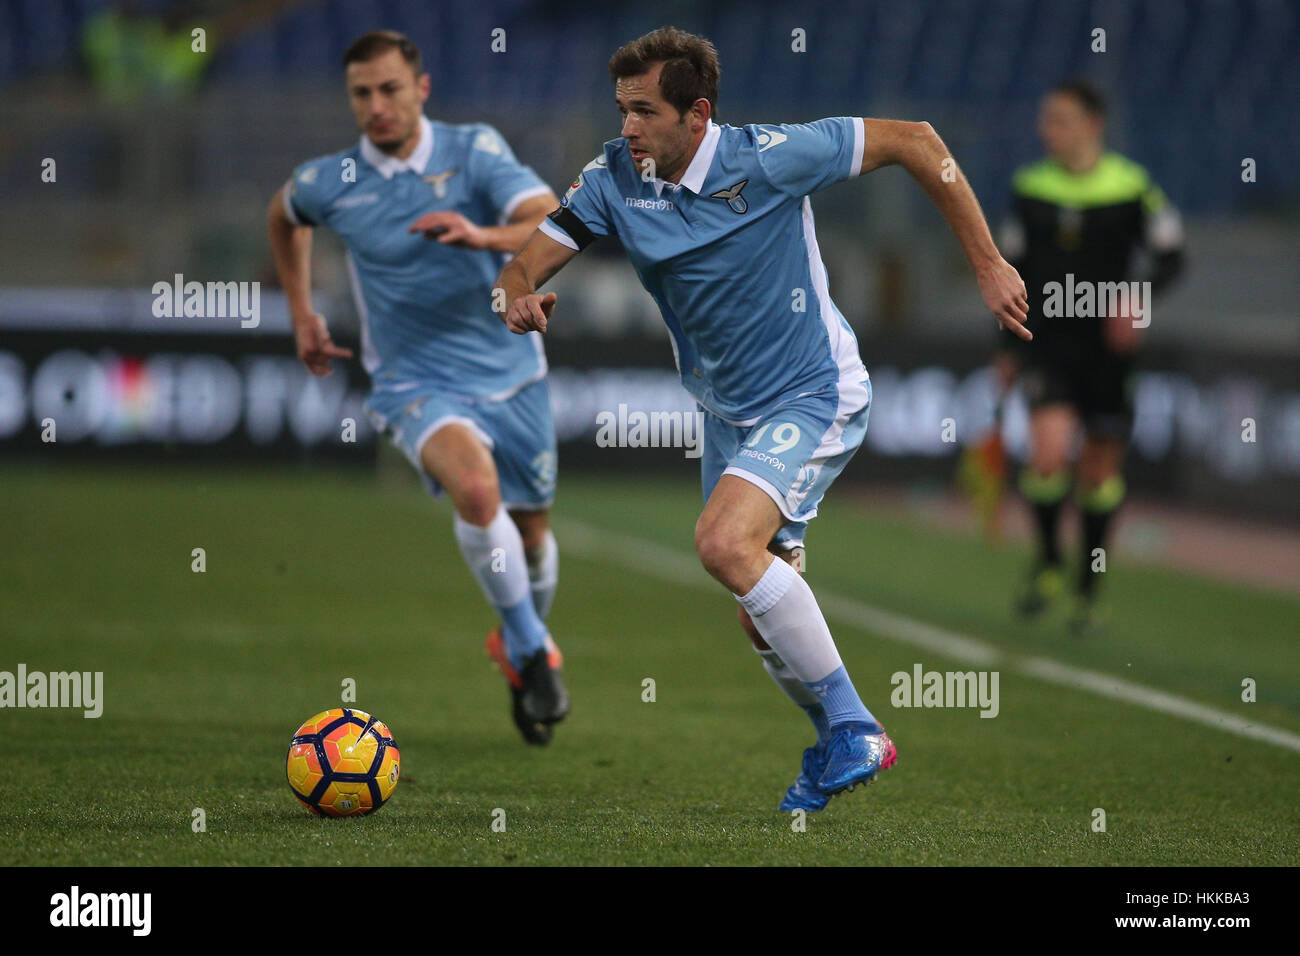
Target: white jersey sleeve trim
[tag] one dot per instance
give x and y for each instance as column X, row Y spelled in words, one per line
column 513, row 202
column 558, row 234
column 288, row 205
column 859, row 137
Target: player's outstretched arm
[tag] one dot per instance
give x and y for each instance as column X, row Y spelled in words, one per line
column 516, row 286
column 291, row 249
column 918, row 149
column 452, row 229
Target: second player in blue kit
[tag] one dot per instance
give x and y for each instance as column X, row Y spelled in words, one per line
column 428, row 212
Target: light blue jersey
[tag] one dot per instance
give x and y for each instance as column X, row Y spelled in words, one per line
column 731, row 258
column 426, row 308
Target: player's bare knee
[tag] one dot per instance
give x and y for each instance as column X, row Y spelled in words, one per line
column 477, row 498
column 717, row 549
column 709, row 548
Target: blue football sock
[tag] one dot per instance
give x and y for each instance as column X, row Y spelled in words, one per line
column 817, row 714
column 795, row 689
column 523, row 630
column 494, row 554
column 840, row 699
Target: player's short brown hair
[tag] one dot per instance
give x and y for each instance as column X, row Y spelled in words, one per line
column 1085, row 94
column 378, row 42
column 690, row 71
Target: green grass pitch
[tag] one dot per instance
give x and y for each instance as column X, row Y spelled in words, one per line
column 313, row 577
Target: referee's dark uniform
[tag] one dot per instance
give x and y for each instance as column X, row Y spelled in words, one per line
column 1070, row 229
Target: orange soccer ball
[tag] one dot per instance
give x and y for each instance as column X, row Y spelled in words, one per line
column 343, row 763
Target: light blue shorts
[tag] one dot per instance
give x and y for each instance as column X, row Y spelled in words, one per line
column 518, row 431
column 793, row 453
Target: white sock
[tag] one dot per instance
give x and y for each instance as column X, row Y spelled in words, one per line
column 495, row 556
column 544, row 573
column 785, row 679
column 787, row 617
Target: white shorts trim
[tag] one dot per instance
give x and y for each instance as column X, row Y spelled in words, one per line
column 438, row 424
column 853, row 398
column 528, row 505
column 765, row 486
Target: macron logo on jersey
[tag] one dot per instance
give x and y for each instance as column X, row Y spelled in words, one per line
column 659, row 205
column 769, row 138
column 348, row 202
column 488, row 143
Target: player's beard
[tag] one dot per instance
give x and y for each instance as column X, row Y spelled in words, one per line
column 680, row 148
column 674, row 161
column 394, row 141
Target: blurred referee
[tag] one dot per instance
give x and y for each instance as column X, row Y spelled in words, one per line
column 1078, row 217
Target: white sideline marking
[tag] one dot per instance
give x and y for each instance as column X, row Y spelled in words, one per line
column 672, row 565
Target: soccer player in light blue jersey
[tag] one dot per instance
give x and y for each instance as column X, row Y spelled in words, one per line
column 718, row 224
column 428, row 212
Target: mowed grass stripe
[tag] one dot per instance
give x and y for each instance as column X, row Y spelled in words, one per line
column 651, row 559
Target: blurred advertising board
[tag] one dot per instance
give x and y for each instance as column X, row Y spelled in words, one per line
column 115, row 379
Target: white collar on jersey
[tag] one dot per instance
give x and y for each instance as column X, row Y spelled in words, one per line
column 693, row 178
column 389, row 166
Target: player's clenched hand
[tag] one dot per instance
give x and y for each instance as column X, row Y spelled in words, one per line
column 450, row 228
column 1005, row 295
column 529, row 313
column 315, row 347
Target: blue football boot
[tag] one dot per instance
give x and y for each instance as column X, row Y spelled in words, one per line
column 854, row 754
column 804, row 794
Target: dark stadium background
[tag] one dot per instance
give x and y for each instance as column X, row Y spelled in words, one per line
column 151, row 183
